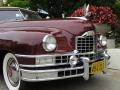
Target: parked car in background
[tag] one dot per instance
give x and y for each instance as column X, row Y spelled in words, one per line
column 34, row 50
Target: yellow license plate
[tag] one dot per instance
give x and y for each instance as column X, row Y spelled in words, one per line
column 97, row 67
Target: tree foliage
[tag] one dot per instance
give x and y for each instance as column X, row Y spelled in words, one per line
column 19, row 3
column 54, row 7
column 57, row 7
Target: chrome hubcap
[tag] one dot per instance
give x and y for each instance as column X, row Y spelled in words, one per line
column 13, row 72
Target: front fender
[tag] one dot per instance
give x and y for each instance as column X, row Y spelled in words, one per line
column 21, row 42
column 29, row 42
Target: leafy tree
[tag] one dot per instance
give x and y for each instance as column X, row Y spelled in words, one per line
column 54, row 7
column 19, row 3
column 57, row 7
column 102, row 2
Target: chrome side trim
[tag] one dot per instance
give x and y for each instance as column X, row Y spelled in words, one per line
column 80, row 18
column 52, row 55
column 45, row 65
column 52, row 70
column 49, row 79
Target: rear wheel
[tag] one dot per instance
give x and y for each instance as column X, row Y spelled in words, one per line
column 11, row 72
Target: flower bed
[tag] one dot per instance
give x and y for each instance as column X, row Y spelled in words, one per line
column 100, row 15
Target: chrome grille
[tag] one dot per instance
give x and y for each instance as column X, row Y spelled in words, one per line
column 65, row 59
column 62, row 59
column 70, row 72
column 85, row 44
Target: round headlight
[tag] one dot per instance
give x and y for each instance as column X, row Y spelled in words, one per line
column 49, row 43
column 103, row 40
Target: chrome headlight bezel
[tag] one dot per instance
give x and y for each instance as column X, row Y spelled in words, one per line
column 49, row 43
column 103, row 40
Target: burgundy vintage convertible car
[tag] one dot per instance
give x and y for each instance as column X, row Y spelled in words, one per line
column 33, row 50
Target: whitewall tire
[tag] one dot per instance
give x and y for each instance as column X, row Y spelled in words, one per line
column 11, row 72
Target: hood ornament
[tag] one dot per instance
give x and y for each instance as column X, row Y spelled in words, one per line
column 86, row 13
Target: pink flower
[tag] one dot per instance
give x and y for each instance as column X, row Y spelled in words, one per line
column 102, row 15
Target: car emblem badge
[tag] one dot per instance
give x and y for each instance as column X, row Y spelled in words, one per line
column 73, row 61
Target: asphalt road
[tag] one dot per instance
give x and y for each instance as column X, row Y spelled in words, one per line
column 99, row 82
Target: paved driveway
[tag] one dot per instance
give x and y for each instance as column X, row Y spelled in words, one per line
column 100, row 82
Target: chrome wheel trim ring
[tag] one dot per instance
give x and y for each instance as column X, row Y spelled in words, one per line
column 11, row 86
column 13, row 72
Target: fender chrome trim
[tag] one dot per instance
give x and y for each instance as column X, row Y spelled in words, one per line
column 44, row 55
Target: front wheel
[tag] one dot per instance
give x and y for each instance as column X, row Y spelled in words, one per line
column 11, row 72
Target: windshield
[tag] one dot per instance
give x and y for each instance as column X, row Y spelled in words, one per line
column 10, row 15
column 18, row 15
column 29, row 15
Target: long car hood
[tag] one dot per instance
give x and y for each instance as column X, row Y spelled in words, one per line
column 72, row 26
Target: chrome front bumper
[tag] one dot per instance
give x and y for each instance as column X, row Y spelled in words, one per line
column 46, row 75
column 54, row 74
